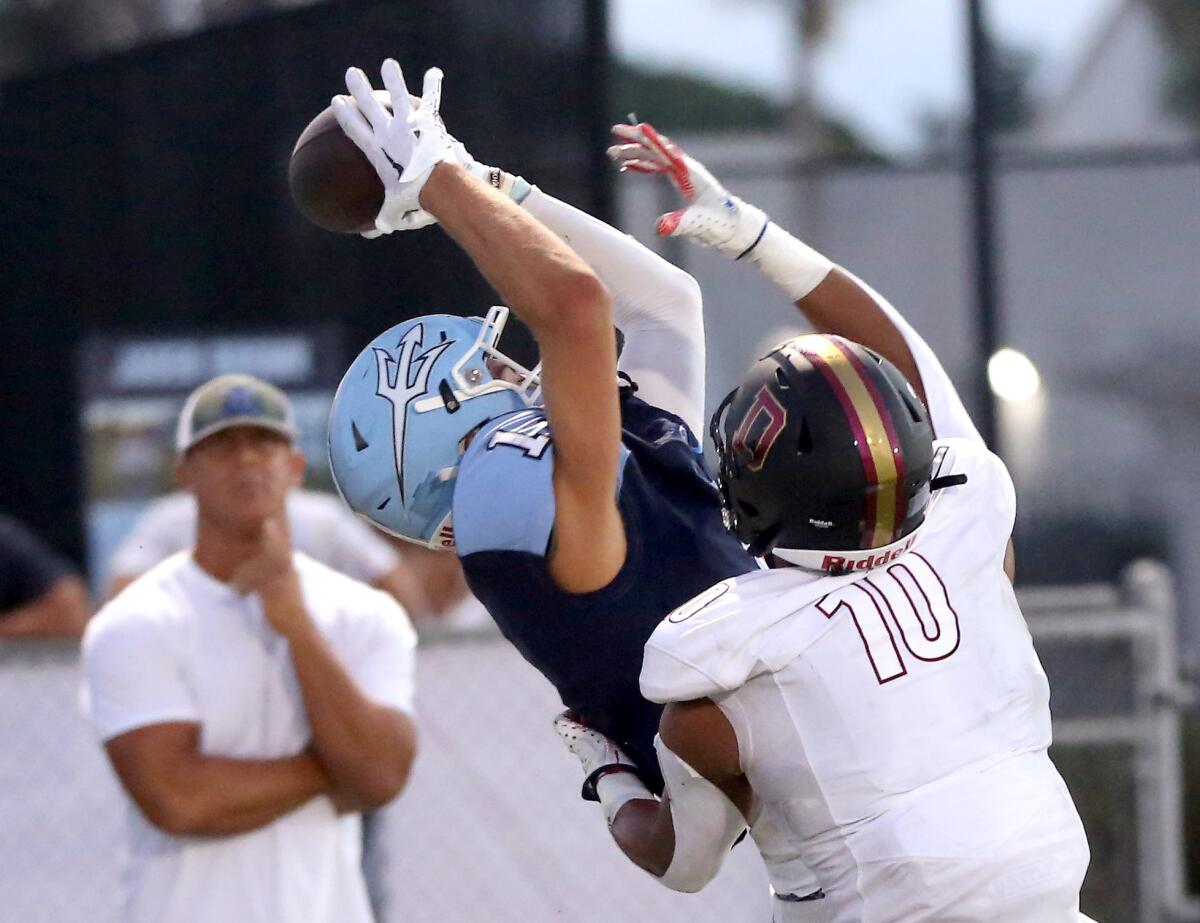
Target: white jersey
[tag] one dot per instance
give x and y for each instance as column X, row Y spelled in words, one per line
column 320, row 526
column 179, row 645
column 894, row 722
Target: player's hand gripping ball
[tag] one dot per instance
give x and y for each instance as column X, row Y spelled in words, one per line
column 332, row 182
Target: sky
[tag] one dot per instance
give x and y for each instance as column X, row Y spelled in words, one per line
column 884, row 65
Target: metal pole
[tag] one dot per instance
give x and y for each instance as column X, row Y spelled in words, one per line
column 982, row 188
column 598, row 116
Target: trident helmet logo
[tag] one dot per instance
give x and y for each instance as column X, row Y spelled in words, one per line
column 759, row 429
column 402, row 379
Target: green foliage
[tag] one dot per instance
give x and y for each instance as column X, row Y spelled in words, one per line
column 689, row 104
column 683, row 104
column 842, row 143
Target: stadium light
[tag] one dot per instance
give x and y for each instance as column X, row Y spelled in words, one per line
column 1012, row 376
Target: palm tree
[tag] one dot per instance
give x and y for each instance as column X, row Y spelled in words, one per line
column 810, row 22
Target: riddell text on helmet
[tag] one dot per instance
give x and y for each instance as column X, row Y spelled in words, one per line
column 833, row 562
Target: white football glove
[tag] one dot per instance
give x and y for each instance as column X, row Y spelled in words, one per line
column 403, row 145
column 598, row 753
column 712, row 217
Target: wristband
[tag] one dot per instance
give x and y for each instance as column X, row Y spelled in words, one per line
column 616, row 789
column 788, row 262
column 515, row 187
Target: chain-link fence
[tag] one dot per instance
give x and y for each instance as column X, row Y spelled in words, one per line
column 491, row 825
column 1112, row 658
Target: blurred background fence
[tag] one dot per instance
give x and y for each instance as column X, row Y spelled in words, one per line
column 491, row 825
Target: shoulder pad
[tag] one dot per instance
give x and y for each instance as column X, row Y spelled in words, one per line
column 732, row 632
column 504, row 492
column 504, row 495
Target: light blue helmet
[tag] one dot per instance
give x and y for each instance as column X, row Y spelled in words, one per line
column 402, row 412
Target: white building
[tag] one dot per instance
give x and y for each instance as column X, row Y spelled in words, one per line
column 1115, row 95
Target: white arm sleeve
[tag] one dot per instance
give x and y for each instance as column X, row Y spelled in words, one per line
column 657, row 307
column 946, row 410
column 706, row 823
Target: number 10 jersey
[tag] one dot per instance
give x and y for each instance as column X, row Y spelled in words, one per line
column 893, row 722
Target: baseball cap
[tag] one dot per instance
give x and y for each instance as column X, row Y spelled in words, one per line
column 233, row 400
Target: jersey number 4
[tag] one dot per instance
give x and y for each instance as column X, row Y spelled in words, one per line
column 905, row 606
column 531, row 435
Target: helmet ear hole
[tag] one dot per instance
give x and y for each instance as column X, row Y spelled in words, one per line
column 781, row 379
column 804, row 444
column 913, row 410
column 747, row 509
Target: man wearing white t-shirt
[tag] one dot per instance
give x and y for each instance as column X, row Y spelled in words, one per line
column 249, row 698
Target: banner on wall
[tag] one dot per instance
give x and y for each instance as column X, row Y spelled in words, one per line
column 131, row 392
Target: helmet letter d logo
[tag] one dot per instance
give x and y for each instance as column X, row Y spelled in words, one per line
column 759, row 429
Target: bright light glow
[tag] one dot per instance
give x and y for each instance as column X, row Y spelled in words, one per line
column 776, row 336
column 1012, row 376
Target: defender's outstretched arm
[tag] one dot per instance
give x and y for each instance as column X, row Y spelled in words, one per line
column 832, row 299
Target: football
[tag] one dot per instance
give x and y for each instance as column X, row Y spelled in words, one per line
column 331, row 181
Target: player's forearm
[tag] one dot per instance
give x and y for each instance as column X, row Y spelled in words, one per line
column 836, row 301
column 840, row 305
column 202, row 795
column 845, row 305
column 646, row 290
column 657, row 307
column 367, row 748
column 565, row 305
column 644, row 832
column 61, row 612
column 539, row 276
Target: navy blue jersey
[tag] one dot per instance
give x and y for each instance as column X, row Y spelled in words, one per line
column 590, row 645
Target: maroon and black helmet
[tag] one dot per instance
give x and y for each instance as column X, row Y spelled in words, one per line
column 824, row 447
